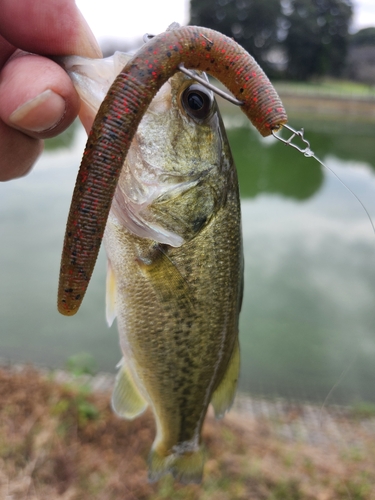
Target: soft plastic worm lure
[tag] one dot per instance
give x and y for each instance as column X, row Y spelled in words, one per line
column 117, row 121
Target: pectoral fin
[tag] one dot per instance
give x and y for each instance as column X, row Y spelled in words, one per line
column 127, row 402
column 167, row 280
column 110, row 299
column 223, row 397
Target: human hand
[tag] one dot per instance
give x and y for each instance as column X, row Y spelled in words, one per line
column 37, row 98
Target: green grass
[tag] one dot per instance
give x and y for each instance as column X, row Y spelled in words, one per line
column 363, row 409
column 340, row 88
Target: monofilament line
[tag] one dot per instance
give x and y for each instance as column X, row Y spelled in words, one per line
column 348, row 188
column 310, row 154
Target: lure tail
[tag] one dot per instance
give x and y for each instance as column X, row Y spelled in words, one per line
column 186, row 467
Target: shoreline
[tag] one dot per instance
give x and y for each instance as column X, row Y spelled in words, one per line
column 329, row 107
column 60, row 440
column 295, row 421
column 322, row 109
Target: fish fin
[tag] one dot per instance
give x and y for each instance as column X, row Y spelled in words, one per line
column 223, row 396
column 111, row 296
column 127, row 402
column 185, row 467
column 167, row 280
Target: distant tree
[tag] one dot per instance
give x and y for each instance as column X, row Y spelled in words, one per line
column 361, row 56
column 252, row 23
column 313, row 35
column 317, row 39
column 365, row 36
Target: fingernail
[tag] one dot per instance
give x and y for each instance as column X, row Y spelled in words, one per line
column 41, row 113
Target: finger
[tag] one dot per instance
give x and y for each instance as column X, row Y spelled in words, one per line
column 18, row 153
column 44, row 107
column 47, row 27
column 6, row 50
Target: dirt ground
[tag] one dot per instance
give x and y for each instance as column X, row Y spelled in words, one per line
column 62, row 441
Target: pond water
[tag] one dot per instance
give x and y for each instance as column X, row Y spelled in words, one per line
column 308, row 319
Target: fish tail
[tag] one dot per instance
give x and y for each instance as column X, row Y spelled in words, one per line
column 186, row 467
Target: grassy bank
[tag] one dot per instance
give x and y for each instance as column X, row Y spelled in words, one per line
column 331, row 105
column 329, row 88
column 61, row 441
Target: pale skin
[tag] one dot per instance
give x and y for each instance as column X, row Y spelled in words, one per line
column 37, row 98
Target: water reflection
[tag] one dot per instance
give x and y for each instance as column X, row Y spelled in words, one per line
column 308, row 319
column 307, row 329
column 263, row 168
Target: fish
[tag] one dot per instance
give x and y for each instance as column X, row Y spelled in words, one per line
column 172, row 236
column 175, row 265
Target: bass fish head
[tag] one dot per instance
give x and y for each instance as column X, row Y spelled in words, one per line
column 180, row 141
column 180, row 145
column 178, row 134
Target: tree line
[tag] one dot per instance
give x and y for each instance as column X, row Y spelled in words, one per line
column 294, row 39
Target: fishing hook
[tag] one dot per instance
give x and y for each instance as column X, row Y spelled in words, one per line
column 147, row 37
column 205, row 83
column 208, row 85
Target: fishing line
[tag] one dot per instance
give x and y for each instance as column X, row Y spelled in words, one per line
column 343, row 374
column 308, row 153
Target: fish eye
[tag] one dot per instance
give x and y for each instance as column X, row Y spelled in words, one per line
column 197, row 101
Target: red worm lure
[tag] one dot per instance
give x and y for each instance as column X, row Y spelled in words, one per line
column 117, row 121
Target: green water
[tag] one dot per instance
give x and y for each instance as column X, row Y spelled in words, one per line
column 308, row 319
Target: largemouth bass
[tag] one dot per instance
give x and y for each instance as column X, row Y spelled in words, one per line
column 175, row 268
column 173, row 235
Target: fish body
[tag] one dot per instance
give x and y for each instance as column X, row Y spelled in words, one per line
column 175, row 266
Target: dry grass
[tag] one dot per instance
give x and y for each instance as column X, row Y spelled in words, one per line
column 59, row 442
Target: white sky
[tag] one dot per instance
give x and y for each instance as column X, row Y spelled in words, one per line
column 133, row 18
column 364, row 13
